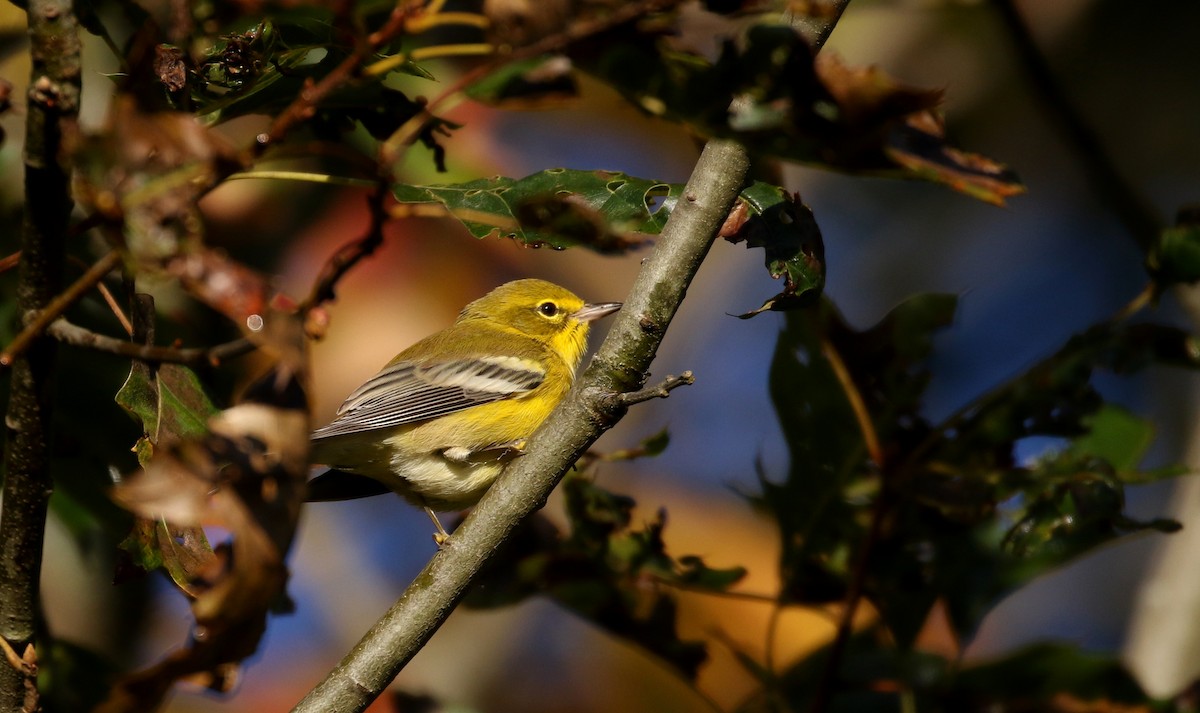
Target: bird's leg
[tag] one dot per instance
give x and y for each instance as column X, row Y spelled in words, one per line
column 499, row 453
column 441, row 535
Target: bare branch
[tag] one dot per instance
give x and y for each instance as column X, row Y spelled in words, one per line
column 77, row 336
column 1128, row 203
column 42, row 318
column 659, row 391
column 349, row 255
column 313, row 93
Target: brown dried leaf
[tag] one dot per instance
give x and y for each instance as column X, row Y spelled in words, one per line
column 246, row 475
column 228, row 286
column 148, row 170
column 919, row 145
column 908, row 129
column 183, row 552
column 867, row 96
column 169, row 67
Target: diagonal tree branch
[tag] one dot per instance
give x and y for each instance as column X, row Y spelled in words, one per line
column 1128, row 203
column 52, row 108
column 593, row 406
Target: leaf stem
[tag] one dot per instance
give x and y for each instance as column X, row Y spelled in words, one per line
column 466, row 49
column 861, row 414
column 305, row 177
column 854, row 595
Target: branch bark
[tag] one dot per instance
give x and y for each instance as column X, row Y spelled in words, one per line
column 52, row 108
column 593, row 406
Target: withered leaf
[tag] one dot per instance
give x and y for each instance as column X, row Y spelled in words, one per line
column 245, row 474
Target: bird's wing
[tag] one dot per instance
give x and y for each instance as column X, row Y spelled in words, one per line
column 407, row 392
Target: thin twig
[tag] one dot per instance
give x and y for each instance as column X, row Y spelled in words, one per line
column 116, row 308
column 77, row 336
column 861, row 414
column 1140, row 301
column 108, row 297
column 350, row 254
column 771, row 637
column 472, row 49
column 854, row 595
column 1112, row 188
column 27, row 667
column 322, row 291
column 408, row 132
column 304, row 176
column 659, row 391
column 311, row 96
column 58, row 305
column 859, row 571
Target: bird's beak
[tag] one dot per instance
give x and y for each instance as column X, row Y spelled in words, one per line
column 590, row 313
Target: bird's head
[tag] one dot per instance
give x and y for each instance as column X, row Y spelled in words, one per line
column 542, row 310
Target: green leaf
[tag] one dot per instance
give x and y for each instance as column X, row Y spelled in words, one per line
column 1115, row 436
column 607, row 211
column 964, row 522
column 768, row 91
column 1175, row 257
column 1043, row 677
column 613, row 212
column 183, row 552
column 1044, row 673
column 139, row 396
column 184, row 406
column 819, row 504
column 694, row 573
column 171, row 404
column 169, row 401
column 785, row 228
column 601, row 571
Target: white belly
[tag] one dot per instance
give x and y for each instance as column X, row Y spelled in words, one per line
column 441, row 483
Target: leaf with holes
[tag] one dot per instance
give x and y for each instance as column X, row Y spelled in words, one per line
column 607, row 211
column 771, row 218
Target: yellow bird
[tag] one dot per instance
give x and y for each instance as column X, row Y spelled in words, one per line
column 444, row 418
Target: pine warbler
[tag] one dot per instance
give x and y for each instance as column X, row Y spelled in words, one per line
column 441, row 421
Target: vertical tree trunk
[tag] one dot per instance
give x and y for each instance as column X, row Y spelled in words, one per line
column 53, row 104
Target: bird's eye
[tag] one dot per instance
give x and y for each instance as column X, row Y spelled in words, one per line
column 547, row 309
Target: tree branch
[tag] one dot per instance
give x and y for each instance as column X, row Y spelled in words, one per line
column 77, row 336
column 42, row 318
column 1128, row 203
column 52, row 109
column 593, row 406
column 659, row 391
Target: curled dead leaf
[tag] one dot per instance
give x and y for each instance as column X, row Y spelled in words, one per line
column 244, row 473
